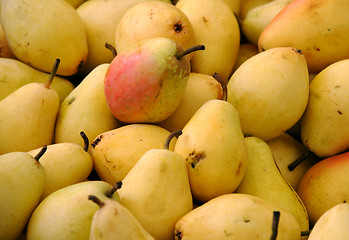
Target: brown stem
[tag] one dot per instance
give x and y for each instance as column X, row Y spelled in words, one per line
column 111, row 191
column 275, row 225
column 305, row 233
column 169, row 138
column 298, row 161
column 96, row 200
column 42, row 151
column 180, row 54
column 86, row 141
column 111, row 48
column 224, row 86
column 53, row 73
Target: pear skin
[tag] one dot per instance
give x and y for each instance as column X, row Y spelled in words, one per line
column 246, row 50
column 324, row 185
column 323, row 125
column 318, row 28
column 263, row 179
column 21, row 185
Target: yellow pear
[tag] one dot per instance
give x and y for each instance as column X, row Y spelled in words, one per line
column 200, row 88
column 28, row 115
column 157, row 192
column 234, row 5
column 292, row 158
column 67, row 213
column 263, row 179
column 22, row 182
column 247, row 5
column 15, row 74
column 65, row 164
column 333, row 224
column 115, row 152
column 318, row 28
column 236, row 216
column 216, row 27
column 323, row 125
column 152, row 19
column 270, row 91
column 214, row 149
column 45, row 31
column 85, row 109
column 113, row 221
column 258, row 18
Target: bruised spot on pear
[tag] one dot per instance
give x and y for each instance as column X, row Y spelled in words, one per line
column 178, row 235
column 178, row 27
column 71, row 100
column 194, row 158
column 96, row 141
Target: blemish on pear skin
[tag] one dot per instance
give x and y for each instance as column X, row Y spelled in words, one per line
column 178, row 235
column 194, row 158
column 339, row 112
column 71, row 100
column 178, row 27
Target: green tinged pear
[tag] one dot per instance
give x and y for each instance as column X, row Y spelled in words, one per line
column 22, row 183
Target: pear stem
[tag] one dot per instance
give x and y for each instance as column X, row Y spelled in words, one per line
column 298, row 161
column 86, row 140
column 305, row 233
column 275, row 225
column 53, row 73
column 180, row 54
column 224, row 86
column 42, row 151
column 169, row 138
column 96, row 200
column 111, row 48
column 111, row 191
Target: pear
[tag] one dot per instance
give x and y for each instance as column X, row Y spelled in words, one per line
column 323, row 125
column 270, row 91
column 333, row 224
column 153, row 19
column 114, row 221
column 156, row 190
column 258, row 18
column 15, row 74
column 292, row 158
column 214, row 149
column 263, row 179
column 5, row 50
column 325, row 185
column 216, row 27
column 85, row 109
column 247, row 5
column 22, row 183
column 67, row 213
column 236, row 216
column 246, row 50
column 46, row 30
column 115, row 152
column 234, row 5
column 146, row 84
column 65, row 164
column 317, row 28
column 75, row 3
column 200, row 88
column 28, row 115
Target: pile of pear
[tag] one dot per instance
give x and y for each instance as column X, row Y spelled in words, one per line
column 187, row 119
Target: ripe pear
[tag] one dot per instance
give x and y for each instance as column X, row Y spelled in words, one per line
column 247, row 5
column 157, row 192
column 146, row 84
column 263, row 179
column 214, row 149
column 67, row 213
column 113, row 221
column 85, row 109
column 258, row 18
column 200, row 88
column 153, row 19
column 15, row 74
column 333, row 224
column 28, row 115
column 292, row 158
column 65, row 164
column 325, row 185
column 236, row 216
column 318, row 28
column 22, row 182
column 270, row 91
column 323, row 126
column 115, row 152
column 216, row 27
column 46, row 30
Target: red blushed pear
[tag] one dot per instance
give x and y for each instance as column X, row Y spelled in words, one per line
column 147, row 83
